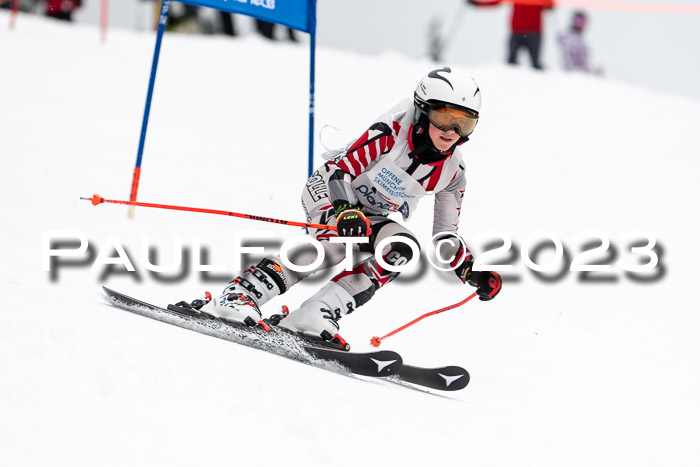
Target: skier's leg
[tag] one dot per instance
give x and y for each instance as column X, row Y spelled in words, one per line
column 513, row 46
column 367, row 276
column 534, row 44
column 242, row 298
column 348, row 290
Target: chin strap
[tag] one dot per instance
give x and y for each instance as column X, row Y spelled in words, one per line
column 419, row 150
column 427, row 153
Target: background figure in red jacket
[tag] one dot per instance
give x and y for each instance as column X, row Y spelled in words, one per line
column 525, row 26
column 62, row 9
column 526, row 31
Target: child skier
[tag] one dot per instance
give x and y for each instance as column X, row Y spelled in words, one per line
column 408, row 153
column 574, row 47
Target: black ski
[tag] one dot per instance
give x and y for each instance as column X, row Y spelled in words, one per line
column 313, row 352
column 379, row 363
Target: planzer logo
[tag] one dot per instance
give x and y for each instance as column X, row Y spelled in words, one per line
column 370, row 199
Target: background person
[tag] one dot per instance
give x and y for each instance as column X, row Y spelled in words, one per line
column 526, row 32
column 62, row 9
column 575, row 51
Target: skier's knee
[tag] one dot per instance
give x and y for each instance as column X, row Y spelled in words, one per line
column 399, row 252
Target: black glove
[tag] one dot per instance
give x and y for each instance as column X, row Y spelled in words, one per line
column 352, row 223
column 487, row 283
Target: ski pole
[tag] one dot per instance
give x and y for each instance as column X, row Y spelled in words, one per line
column 376, row 341
column 97, row 199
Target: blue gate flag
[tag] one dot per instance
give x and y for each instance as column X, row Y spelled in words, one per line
column 296, row 14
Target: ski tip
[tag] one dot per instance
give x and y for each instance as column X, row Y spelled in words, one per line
column 375, row 341
column 455, row 377
column 447, row 378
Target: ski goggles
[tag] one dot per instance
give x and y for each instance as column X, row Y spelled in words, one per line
column 446, row 117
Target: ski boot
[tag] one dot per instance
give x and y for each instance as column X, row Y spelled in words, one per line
column 241, row 300
column 317, row 318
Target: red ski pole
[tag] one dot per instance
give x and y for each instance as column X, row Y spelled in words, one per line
column 376, row 341
column 13, row 13
column 97, row 199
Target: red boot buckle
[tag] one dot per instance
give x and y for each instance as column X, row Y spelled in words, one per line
column 264, row 325
column 343, row 343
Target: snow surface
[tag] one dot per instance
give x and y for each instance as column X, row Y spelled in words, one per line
column 563, row 372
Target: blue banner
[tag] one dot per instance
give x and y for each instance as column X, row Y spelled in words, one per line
column 296, row 14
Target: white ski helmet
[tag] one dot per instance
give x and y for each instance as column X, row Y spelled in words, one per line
column 443, row 87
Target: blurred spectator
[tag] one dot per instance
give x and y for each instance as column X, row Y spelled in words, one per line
column 526, row 31
column 182, row 17
column 525, row 27
column 435, row 42
column 227, row 24
column 62, row 9
column 268, row 30
column 27, row 6
column 573, row 46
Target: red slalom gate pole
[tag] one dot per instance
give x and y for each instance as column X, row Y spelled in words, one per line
column 377, row 341
column 104, row 15
column 97, row 199
column 13, row 13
